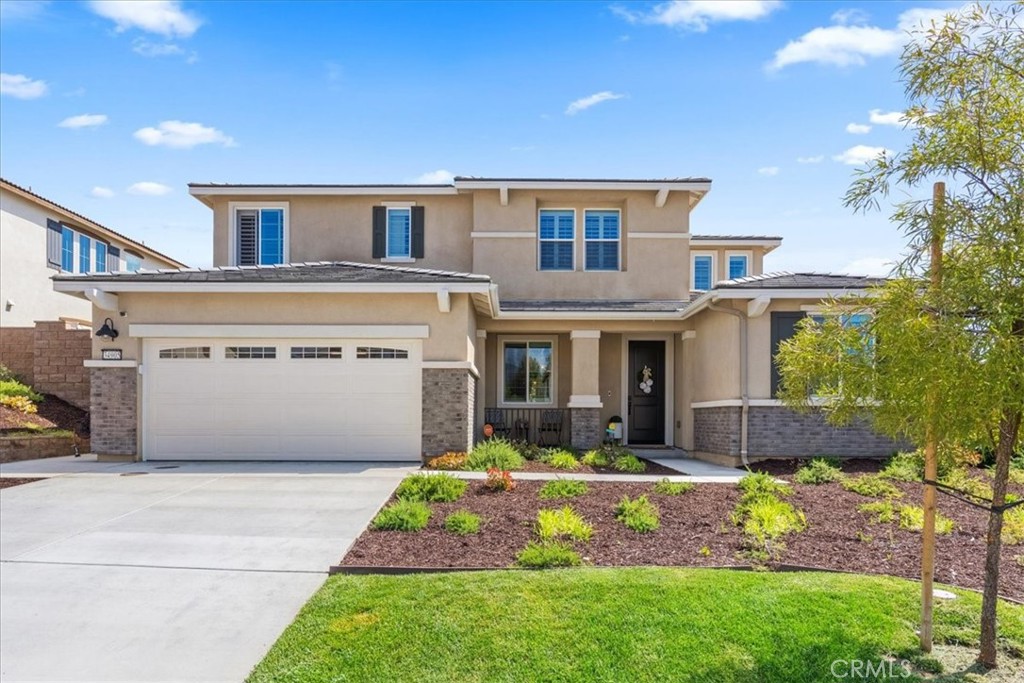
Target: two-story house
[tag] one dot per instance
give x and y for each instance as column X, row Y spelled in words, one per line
column 392, row 321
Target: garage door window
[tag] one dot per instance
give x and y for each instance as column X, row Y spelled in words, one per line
column 186, row 352
column 381, row 352
column 250, row 352
column 316, row 352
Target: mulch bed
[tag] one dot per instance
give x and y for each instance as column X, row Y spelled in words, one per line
column 8, row 482
column 53, row 414
column 787, row 467
column 652, row 468
column 837, row 537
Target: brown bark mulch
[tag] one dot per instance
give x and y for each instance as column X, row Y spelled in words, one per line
column 696, row 531
column 652, row 468
column 53, row 414
column 8, row 482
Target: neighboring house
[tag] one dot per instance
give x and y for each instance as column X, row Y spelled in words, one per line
column 38, row 239
column 393, row 321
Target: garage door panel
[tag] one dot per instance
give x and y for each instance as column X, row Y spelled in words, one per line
column 282, row 408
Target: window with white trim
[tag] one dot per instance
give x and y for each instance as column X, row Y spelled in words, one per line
column 67, row 249
column 185, row 353
column 259, row 236
column 84, row 253
column 101, row 256
column 250, row 352
column 703, row 271
column 601, row 231
column 556, row 238
column 316, row 352
column 380, row 353
column 739, row 266
column 399, row 232
column 527, row 372
column 132, row 262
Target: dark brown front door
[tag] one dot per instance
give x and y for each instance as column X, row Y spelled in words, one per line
column 646, row 397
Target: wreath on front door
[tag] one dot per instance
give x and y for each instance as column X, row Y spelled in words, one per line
column 646, row 379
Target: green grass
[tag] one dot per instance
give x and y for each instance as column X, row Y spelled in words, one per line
column 548, row 554
column 431, row 488
column 563, row 488
column 586, row 624
column 33, row 432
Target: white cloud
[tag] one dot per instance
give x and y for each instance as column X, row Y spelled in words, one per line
column 858, row 128
column 811, row 160
column 438, row 177
column 860, row 154
column 850, row 16
column 182, row 135
column 589, row 101
column 147, row 49
column 149, row 189
column 696, row 15
column 83, row 121
column 887, row 118
column 101, row 192
column 22, row 87
column 768, row 170
column 873, row 266
column 22, row 10
column 165, row 17
column 852, row 45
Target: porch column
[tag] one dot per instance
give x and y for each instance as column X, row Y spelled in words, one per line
column 585, row 401
column 481, row 387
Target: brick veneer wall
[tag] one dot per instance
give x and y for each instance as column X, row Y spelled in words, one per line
column 585, row 427
column 449, row 404
column 775, row 431
column 17, row 351
column 57, row 369
column 114, row 418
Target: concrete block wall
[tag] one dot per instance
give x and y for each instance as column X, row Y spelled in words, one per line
column 17, row 351
column 59, row 351
column 449, row 405
column 114, row 416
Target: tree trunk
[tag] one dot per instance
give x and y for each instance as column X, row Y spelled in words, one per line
column 1009, row 426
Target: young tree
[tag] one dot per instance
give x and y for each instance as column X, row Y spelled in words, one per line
column 946, row 356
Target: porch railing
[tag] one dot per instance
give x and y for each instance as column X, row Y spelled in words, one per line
column 543, row 426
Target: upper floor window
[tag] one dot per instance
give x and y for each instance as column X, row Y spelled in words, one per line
column 101, row 257
column 132, row 262
column 67, row 249
column 601, row 239
column 739, row 266
column 398, row 231
column 399, row 234
column 557, row 239
column 260, row 236
column 703, row 271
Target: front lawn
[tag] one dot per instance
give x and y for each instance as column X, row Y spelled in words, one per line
column 638, row 624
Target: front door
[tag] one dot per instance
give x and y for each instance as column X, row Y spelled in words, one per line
column 646, row 392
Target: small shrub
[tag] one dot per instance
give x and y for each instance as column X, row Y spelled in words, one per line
column 961, row 480
column 818, row 471
column 530, row 451
column 629, row 463
column 6, row 374
column 882, row 511
column 596, row 458
column 448, row 461
column 910, row 466
column 872, row 486
column 563, row 460
column 23, row 404
column 12, row 387
column 769, row 518
column 1013, row 525
column 499, row 480
column 759, row 483
column 563, row 523
column 563, row 488
column 403, row 515
column 912, row 519
column 640, row 514
column 431, row 488
column 496, row 453
column 705, row 551
column 462, row 522
column 863, row 537
column 1017, row 477
column 544, row 555
column 664, row 487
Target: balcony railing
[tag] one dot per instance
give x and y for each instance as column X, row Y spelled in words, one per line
column 543, row 426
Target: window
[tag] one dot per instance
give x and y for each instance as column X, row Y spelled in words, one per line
column 738, row 266
column 557, row 239
column 250, row 352
column 601, row 240
column 186, row 352
column 527, row 374
column 380, row 352
column 67, row 249
column 101, row 257
column 260, row 236
column 132, row 262
column 113, row 259
column 316, row 352
column 84, row 254
column 784, row 325
column 703, row 271
column 399, row 235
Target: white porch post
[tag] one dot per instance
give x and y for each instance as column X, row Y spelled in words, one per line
column 585, row 402
column 480, row 359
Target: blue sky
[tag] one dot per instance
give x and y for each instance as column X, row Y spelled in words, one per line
column 112, row 108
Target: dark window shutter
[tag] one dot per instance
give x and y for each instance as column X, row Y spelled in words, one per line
column 380, row 227
column 113, row 259
column 53, row 243
column 783, row 327
column 247, row 229
column 417, row 232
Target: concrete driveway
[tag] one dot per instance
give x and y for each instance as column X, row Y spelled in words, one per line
column 133, row 573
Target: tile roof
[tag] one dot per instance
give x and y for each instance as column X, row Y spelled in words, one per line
column 582, row 180
column 321, row 271
column 787, row 280
column 734, row 237
column 596, row 305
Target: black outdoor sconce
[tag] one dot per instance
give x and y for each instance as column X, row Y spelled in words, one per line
column 107, row 331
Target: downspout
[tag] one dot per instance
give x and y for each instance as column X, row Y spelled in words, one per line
column 744, row 389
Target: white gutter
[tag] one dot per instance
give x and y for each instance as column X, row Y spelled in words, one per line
column 656, row 185
column 314, row 190
column 84, row 285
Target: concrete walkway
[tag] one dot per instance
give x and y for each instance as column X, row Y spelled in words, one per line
column 135, row 573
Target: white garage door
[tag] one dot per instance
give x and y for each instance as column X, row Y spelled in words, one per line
column 281, row 399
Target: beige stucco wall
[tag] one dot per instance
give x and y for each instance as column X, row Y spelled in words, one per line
column 452, row 337
column 340, row 228
column 715, row 364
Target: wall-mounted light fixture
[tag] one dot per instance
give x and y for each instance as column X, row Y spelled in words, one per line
column 107, row 331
